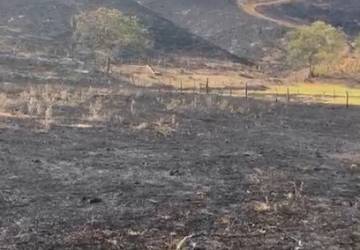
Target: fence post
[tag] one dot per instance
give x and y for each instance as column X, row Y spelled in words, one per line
column 207, row 86
column 288, row 94
column 181, row 86
column 246, row 91
column 347, row 99
column 194, row 101
column 133, row 79
column 230, row 91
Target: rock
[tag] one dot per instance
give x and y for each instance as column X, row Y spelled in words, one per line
column 174, row 172
column 95, row 200
column 91, row 200
column 37, row 161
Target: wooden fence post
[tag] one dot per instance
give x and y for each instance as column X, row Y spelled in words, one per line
column 108, row 65
column 207, row 86
column 347, row 99
column 246, row 91
column 288, row 94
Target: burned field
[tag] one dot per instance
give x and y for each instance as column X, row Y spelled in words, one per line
column 134, row 169
column 90, row 160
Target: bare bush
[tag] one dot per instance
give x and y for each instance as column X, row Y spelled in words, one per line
column 48, row 119
column 95, row 109
column 3, row 101
column 32, row 106
column 132, row 107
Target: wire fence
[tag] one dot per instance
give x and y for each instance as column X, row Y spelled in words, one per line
column 279, row 93
column 345, row 98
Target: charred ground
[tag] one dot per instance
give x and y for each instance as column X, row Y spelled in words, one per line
column 341, row 14
column 230, row 172
column 112, row 166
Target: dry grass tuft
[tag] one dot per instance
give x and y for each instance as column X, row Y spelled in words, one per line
column 132, row 107
column 163, row 129
column 173, row 104
column 142, row 126
column 48, row 119
column 345, row 65
column 95, row 109
column 261, row 207
column 3, row 102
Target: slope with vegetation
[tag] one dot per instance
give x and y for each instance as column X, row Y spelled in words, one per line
column 222, row 23
column 45, row 26
column 339, row 13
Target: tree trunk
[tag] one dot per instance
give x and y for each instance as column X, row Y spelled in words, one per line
column 311, row 67
column 311, row 72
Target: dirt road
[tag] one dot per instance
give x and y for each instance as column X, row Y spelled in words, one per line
column 251, row 9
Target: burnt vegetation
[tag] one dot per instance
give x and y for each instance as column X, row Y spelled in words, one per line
column 133, row 125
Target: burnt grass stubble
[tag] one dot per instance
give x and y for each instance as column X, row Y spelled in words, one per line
column 232, row 174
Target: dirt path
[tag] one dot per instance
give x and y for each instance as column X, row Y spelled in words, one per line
column 251, row 9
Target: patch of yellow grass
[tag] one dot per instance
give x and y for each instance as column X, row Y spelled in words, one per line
column 333, row 93
column 318, row 92
column 177, row 77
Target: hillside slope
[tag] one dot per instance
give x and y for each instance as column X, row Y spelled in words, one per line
column 206, row 28
column 340, row 13
column 253, row 34
column 44, row 25
column 252, row 8
column 222, row 23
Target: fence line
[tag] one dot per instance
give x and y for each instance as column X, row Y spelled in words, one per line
column 246, row 92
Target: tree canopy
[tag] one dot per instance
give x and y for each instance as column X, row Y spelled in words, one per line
column 310, row 45
column 106, row 29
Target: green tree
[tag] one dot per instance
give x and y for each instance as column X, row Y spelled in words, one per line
column 106, row 29
column 311, row 45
